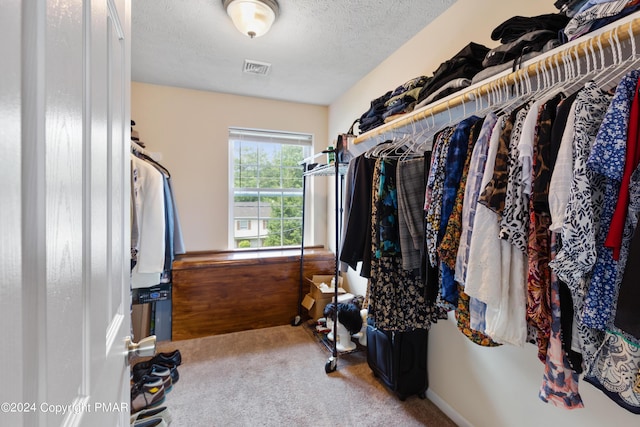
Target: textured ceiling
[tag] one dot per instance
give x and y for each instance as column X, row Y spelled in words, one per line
column 318, row 48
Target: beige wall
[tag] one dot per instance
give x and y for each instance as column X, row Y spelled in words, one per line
column 490, row 387
column 189, row 130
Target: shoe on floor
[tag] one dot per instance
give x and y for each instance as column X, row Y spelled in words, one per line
column 147, row 394
column 155, row 371
column 150, row 422
column 158, row 412
column 170, row 360
column 173, row 358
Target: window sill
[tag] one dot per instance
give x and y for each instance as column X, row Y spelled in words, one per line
column 210, row 259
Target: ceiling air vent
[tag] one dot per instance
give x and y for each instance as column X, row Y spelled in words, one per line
column 256, row 67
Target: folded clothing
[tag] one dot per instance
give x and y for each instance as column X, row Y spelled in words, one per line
column 517, row 26
column 464, row 64
column 449, row 88
column 372, row 118
column 533, row 41
column 597, row 17
column 399, row 101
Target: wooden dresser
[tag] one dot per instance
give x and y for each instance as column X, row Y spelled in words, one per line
column 220, row 292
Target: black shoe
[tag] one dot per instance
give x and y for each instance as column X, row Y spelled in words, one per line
column 171, row 360
column 144, row 368
column 174, row 358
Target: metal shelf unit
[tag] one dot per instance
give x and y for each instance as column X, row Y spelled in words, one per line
column 336, row 169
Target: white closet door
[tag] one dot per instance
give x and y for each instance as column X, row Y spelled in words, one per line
column 64, row 233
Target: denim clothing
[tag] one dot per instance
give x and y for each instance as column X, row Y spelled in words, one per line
column 455, row 160
column 372, row 118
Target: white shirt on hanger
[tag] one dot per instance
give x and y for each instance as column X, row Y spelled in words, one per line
column 149, row 198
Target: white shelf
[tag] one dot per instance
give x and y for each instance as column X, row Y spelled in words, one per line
column 327, row 170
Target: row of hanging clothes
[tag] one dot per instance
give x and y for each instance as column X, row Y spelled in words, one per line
column 521, row 219
column 156, row 235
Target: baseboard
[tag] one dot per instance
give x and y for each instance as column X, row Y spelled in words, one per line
column 448, row 410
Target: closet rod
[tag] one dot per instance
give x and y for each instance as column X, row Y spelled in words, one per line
column 622, row 32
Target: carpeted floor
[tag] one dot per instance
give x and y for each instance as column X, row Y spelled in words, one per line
column 276, row 377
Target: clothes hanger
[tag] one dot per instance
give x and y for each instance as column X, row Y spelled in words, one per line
column 411, row 151
column 377, row 146
column 391, row 151
column 428, row 137
column 623, row 66
column 570, row 71
column 580, row 78
column 607, row 72
column 554, row 82
column 518, row 98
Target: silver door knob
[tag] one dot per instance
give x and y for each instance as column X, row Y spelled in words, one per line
column 146, row 347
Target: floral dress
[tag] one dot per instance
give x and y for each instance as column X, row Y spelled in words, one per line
column 396, row 296
column 607, row 159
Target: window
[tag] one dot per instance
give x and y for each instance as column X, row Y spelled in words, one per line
column 266, row 193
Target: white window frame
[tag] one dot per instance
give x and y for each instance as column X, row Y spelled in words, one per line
column 267, row 136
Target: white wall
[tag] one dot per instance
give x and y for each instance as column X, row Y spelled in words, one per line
column 490, row 387
column 189, row 130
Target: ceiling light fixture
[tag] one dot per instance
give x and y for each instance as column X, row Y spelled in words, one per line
column 252, row 17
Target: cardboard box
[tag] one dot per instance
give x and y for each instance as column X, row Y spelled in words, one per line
column 319, row 296
column 315, row 307
column 318, row 291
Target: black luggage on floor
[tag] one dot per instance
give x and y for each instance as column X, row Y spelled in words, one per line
column 399, row 359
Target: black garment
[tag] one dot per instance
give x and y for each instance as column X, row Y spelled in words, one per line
column 542, row 172
column 465, row 64
column 516, row 27
column 430, row 275
column 566, row 327
column 566, row 301
column 559, row 124
column 356, row 246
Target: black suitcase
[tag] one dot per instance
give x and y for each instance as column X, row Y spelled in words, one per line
column 399, row 360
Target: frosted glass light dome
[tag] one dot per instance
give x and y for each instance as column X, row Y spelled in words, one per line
column 252, row 17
